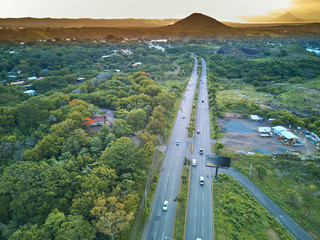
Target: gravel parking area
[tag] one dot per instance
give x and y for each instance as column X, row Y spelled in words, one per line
column 242, row 135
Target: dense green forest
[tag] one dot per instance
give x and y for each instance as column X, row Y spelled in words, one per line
column 61, row 177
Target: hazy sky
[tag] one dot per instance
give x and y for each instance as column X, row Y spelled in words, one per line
column 223, row 10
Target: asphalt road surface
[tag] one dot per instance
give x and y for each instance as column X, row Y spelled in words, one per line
column 160, row 223
column 199, row 222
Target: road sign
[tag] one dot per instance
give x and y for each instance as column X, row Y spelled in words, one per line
column 217, row 161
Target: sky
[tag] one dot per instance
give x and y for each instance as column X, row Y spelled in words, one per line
column 222, row 10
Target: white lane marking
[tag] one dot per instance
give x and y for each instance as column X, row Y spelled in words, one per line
column 155, row 234
column 194, row 231
column 202, row 212
column 202, row 230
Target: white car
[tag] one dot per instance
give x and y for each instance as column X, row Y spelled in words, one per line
column 165, row 205
column 183, row 116
column 194, row 162
column 177, row 142
column 201, row 180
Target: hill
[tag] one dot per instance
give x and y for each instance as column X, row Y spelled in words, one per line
column 198, row 21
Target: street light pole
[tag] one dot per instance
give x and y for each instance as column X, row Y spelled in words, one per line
column 250, row 170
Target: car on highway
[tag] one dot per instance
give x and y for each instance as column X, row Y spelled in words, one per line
column 183, row 116
column 194, row 162
column 201, row 180
column 165, row 205
column 202, row 101
column 198, row 238
column 201, row 151
column 178, row 142
column 198, row 131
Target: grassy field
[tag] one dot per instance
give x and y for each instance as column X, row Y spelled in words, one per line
column 291, row 183
column 181, row 212
column 239, row 216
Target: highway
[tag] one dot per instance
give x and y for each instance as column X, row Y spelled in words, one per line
column 160, row 222
column 199, row 214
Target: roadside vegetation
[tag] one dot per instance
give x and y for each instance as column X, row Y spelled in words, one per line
column 291, row 183
column 182, row 202
column 238, row 215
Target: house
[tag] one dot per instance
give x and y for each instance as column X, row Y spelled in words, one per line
column 31, row 92
column 32, row 78
column 278, row 129
column 98, row 121
column 255, row 118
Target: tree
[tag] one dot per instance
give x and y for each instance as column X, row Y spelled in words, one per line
column 262, row 171
column 136, row 119
column 75, row 227
column 294, row 197
column 121, row 128
column 34, row 190
column 99, row 182
column 122, row 155
column 53, row 223
column 111, row 216
column 28, row 232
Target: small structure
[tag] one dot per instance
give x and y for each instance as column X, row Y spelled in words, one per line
column 265, row 131
column 290, row 138
column 278, row 129
column 255, row 118
column 32, row 78
column 98, row 121
column 31, row 92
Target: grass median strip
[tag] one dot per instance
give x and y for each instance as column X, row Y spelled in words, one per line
column 192, row 121
column 182, row 203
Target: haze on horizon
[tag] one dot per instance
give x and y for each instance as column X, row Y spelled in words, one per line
column 222, row 10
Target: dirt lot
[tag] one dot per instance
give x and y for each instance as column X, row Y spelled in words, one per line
column 242, row 135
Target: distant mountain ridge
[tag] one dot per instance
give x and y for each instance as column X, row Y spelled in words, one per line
column 83, row 22
column 287, row 18
column 196, row 26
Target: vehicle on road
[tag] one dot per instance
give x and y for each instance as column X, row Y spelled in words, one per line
column 194, row 162
column 201, row 180
column 165, row 205
column 178, row 142
column 183, row 116
column 202, row 101
column 198, row 131
column 201, row 151
column 198, row 238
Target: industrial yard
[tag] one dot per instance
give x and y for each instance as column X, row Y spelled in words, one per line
column 241, row 135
